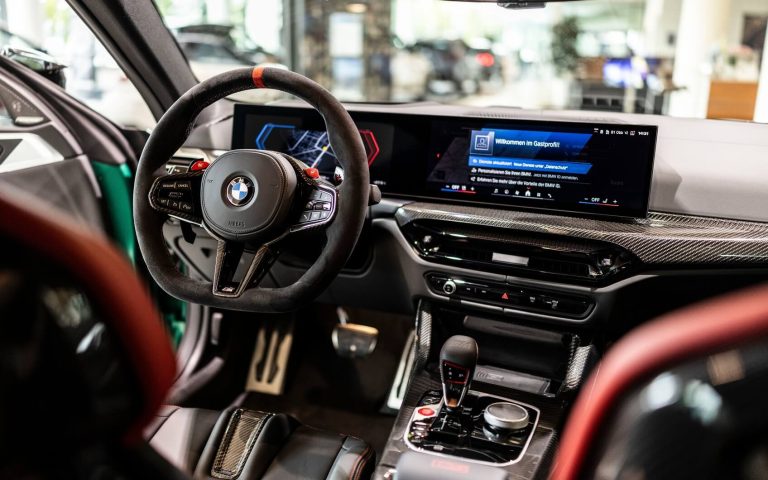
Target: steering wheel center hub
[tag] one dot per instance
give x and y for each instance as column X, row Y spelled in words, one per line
column 240, row 190
column 247, row 194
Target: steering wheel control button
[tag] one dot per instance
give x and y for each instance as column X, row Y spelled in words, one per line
column 322, row 195
column 312, row 173
column 240, row 190
column 177, row 195
column 318, row 209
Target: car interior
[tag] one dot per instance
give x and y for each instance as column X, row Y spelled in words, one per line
column 384, row 239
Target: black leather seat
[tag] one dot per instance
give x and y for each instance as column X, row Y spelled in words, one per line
column 246, row 444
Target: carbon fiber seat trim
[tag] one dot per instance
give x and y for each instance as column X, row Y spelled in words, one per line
column 241, row 434
column 660, row 239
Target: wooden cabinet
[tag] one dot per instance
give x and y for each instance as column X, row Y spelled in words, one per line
column 732, row 100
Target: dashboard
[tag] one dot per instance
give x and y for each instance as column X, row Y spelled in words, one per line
column 467, row 221
column 585, row 167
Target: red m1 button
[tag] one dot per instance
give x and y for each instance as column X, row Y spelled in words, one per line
column 426, row 412
column 312, row 173
column 199, row 165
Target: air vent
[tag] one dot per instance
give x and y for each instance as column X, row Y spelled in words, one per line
column 559, row 267
column 515, row 253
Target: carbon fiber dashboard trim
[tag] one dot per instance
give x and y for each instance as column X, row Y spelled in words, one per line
column 660, row 239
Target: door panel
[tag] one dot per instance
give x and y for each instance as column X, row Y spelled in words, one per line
column 67, row 185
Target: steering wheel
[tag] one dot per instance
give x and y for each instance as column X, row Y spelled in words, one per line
column 250, row 200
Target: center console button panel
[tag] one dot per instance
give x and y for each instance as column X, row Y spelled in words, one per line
column 467, row 433
column 502, row 295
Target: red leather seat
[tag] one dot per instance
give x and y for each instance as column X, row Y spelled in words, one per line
column 730, row 322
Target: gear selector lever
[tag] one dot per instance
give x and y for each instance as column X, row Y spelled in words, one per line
column 458, row 359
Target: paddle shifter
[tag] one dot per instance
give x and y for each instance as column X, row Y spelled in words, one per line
column 458, row 359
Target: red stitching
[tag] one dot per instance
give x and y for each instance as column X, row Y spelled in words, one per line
column 359, row 464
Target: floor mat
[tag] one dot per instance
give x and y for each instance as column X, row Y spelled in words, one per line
column 337, row 394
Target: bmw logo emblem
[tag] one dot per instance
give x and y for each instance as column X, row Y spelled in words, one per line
column 239, row 191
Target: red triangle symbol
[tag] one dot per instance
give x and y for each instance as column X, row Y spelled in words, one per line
column 504, row 296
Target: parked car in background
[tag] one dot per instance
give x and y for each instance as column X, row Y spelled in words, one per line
column 481, row 50
column 209, row 44
column 454, row 69
column 211, row 50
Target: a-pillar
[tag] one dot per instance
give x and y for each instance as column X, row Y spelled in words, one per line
column 703, row 33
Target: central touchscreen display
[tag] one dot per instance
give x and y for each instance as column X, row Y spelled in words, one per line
column 558, row 166
column 563, row 166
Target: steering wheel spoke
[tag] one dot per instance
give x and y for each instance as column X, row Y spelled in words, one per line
column 178, row 196
column 319, row 209
column 238, row 268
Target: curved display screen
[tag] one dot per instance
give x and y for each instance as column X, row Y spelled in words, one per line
column 561, row 166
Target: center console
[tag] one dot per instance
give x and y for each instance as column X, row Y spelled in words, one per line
column 520, row 230
column 480, row 398
column 466, row 424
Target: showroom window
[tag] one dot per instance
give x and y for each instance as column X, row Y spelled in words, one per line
column 688, row 58
column 48, row 30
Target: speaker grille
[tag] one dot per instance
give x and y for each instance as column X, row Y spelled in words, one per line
column 241, row 434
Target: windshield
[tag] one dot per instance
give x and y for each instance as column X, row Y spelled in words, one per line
column 686, row 58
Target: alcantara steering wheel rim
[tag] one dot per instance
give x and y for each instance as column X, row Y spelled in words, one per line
column 280, row 176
